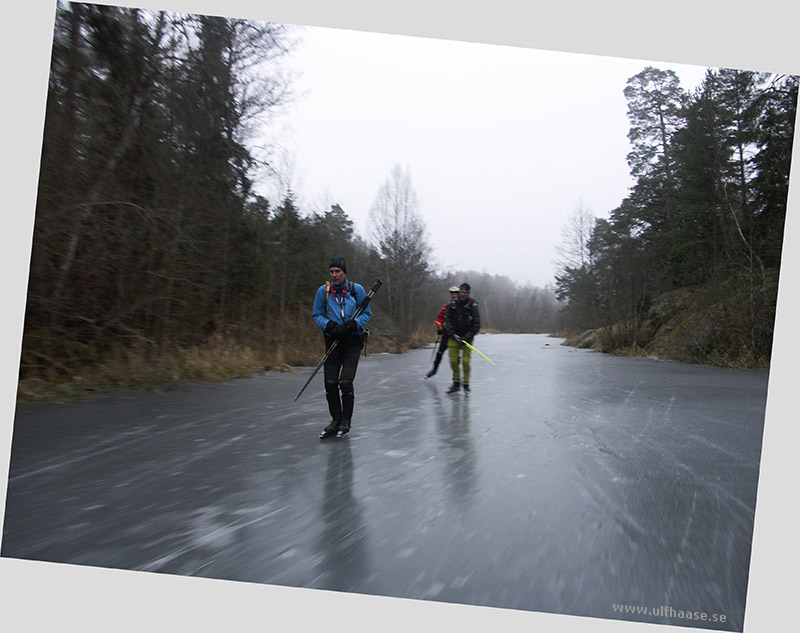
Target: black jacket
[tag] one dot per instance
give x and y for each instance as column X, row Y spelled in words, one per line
column 463, row 318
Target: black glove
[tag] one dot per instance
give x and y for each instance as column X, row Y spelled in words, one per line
column 335, row 330
column 351, row 326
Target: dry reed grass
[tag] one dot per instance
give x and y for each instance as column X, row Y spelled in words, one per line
column 280, row 347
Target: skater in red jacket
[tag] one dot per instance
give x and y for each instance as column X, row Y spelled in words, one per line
column 440, row 318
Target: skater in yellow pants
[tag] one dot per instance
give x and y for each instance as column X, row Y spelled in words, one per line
column 459, row 354
column 463, row 320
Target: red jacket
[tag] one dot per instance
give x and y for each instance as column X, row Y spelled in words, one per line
column 440, row 317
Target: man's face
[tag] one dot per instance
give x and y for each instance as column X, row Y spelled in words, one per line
column 337, row 276
column 463, row 294
column 453, row 296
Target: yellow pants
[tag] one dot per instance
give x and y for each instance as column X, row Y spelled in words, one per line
column 463, row 353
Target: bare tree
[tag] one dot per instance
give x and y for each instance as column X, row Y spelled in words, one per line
column 574, row 277
column 399, row 232
column 575, row 236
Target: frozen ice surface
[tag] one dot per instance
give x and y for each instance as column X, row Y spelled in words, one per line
column 567, row 481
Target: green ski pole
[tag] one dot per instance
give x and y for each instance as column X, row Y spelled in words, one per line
column 474, row 349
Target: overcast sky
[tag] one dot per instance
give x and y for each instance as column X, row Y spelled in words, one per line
column 501, row 142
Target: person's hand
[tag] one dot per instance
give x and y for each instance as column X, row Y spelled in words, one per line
column 335, row 330
column 351, row 326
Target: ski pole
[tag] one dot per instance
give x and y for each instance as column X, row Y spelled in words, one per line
column 435, row 346
column 358, row 311
column 477, row 351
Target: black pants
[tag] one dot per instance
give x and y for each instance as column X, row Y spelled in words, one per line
column 440, row 351
column 340, row 371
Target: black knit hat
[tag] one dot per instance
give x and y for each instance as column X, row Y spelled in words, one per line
column 465, row 286
column 338, row 262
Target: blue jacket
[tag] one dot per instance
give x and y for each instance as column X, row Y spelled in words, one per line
column 329, row 305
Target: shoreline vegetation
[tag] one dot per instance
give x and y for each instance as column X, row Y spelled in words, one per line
column 218, row 359
column 720, row 324
column 690, row 325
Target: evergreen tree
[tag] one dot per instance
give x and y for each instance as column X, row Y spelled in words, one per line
column 698, row 251
column 145, row 179
column 774, row 138
column 655, row 110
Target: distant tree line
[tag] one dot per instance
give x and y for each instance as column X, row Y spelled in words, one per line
column 149, row 233
column 707, row 209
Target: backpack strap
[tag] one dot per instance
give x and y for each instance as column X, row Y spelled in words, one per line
column 351, row 288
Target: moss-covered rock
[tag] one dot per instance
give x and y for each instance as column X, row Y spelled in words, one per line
column 727, row 324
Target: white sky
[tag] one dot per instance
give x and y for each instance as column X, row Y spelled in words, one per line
column 501, row 142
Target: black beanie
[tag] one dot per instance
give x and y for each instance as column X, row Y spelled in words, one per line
column 465, row 286
column 338, row 262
